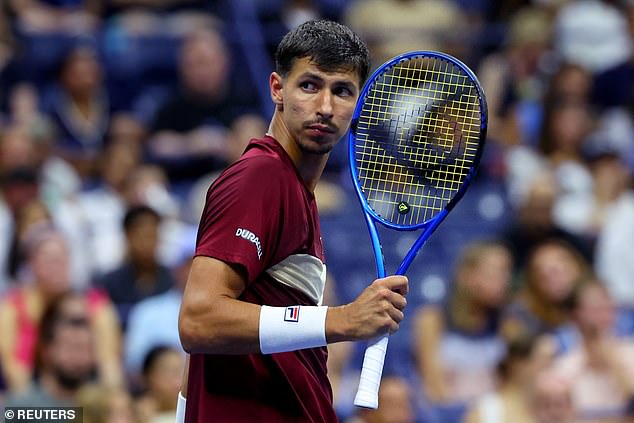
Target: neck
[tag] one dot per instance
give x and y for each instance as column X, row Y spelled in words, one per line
column 469, row 315
column 145, row 270
column 54, row 389
column 310, row 166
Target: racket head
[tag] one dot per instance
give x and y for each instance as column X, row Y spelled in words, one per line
column 416, row 138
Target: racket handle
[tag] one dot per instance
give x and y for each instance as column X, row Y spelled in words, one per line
column 368, row 392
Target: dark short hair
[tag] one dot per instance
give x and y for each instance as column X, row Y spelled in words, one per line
column 135, row 213
column 330, row 45
column 521, row 347
column 153, row 355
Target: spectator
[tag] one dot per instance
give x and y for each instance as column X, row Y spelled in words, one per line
column 19, row 188
column 24, row 113
column 80, row 109
column 601, row 367
column 397, row 26
column 50, row 16
column 34, row 213
column 31, row 174
column 457, row 344
column 510, row 401
column 592, row 33
column 29, row 141
column 103, row 207
column 587, row 214
column 533, row 223
column 162, row 370
column 141, row 275
column 514, row 77
column 566, row 125
column 570, row 82
column 552, row 270
column 23, row 307
column 613, row 211
column 396, row 403
column 6, row 54
column 65, row 361
column 550, row 398
column 104, row 404
column 58, row 179
column 154, row 320
column 126, row 184
column 191, row 132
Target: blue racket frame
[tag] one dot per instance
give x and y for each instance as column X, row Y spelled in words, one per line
column 430, row 225
column 367, row 394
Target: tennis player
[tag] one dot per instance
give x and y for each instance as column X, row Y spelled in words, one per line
column 251, row 317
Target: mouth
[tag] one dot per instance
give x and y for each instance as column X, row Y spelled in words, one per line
column 320, row 129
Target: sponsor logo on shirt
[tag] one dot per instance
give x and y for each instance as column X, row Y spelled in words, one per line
column 250, row 236
column 292, row 314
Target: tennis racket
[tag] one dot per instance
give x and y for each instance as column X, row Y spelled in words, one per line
column 415, row 141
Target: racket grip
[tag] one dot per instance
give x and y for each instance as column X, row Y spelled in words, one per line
column 368, row 392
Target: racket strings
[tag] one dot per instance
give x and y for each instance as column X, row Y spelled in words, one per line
column 418, row 136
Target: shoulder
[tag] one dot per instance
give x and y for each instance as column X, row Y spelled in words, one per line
column 259, row 165
column 263, row 165
column 116, row 280
column 114, row 276
column 259, row 175
column 8, row 307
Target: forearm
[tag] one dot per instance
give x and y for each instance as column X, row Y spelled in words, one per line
column 241, row 328
column 619, row 370
column 108, row 345
column 227, row 326
column 429, row 328
column 433, row 378
column 17, row 376
column 214, row 321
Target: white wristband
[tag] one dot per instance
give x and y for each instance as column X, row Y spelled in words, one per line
column 180, row 408
column 292, row 328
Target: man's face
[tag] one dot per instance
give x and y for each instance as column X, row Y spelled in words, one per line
column 143, row 239
column 71, row 356
column 317, row 105
column 204, row 64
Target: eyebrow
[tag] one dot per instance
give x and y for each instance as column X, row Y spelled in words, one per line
column 348, row 83
column 313, row 75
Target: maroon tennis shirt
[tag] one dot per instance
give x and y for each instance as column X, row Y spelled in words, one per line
column 260, row 215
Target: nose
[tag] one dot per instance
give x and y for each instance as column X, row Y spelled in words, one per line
column 325, row 105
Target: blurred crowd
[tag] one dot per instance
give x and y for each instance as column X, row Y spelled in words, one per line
column 116, row 115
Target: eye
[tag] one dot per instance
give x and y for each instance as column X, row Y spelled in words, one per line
column 342, row 92
column 308, row 86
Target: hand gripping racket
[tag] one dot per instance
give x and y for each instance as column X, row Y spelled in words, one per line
column 415, row 142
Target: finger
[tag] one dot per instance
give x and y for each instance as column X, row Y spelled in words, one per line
column 396, row 283
column 398, row 300
column 403, row 291
column 395, row 314
column 394, row 328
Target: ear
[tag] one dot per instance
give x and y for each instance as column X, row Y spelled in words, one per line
column 276, row 86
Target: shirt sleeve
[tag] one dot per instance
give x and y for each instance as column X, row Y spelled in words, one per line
column 241, row 221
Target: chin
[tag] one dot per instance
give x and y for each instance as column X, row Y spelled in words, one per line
column 316, row 147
